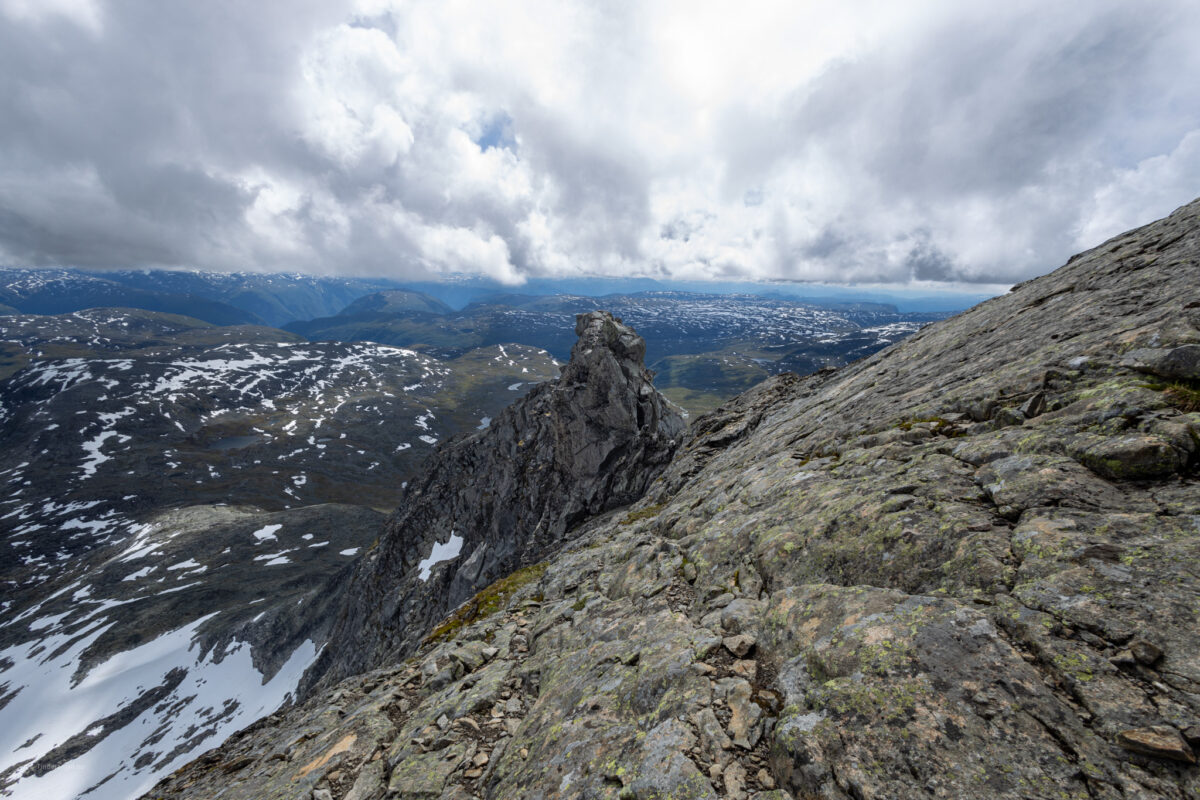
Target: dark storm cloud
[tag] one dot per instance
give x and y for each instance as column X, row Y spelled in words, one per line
column 117, row 142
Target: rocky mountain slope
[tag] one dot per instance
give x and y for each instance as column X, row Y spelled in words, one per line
column 964, row 567
column 182, row 501
column 117, row 411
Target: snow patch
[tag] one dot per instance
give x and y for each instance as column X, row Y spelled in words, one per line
column 267, row 534
column 141, row 573
column 213, row 698
column 440, row 552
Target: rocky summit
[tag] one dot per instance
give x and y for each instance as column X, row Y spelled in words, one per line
column 964, row 567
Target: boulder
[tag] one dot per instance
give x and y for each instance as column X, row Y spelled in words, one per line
column 1182, row 362
column 1134, row 456
column 1159, row 741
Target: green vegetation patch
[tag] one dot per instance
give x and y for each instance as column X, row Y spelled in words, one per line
column 646, row 513
column 695, row 403
column 1184, row 394
column 702, row 382
column 487, row 602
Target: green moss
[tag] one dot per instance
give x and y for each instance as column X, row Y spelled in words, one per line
column 487, row 602
column 940, row 425
column 646, row 513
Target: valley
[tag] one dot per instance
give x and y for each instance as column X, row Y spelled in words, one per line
column 706, row 348
column 182, row 500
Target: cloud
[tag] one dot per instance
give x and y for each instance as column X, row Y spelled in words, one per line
column 84, row 13
column 1148, row 189
column 866, row 141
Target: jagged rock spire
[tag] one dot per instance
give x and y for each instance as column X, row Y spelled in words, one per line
column 509, row 495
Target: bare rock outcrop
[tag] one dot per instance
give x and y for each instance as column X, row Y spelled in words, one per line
column 506, row 497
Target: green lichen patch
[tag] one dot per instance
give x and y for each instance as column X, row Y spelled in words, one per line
column 892, row 701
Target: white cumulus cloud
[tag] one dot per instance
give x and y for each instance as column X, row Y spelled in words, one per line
column 867, row 141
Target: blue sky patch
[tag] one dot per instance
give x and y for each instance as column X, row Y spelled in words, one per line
column 497, row 132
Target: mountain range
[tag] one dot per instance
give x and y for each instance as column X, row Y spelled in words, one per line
column 705, row 348
column 217, row 297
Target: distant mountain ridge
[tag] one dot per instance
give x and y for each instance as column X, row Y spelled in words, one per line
column 395, row 301
column 222, row 298
column 706, row 347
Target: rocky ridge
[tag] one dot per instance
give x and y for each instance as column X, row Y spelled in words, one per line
column 964, row 567
column 504, row 497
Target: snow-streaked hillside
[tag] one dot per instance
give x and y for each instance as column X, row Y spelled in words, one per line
column 181, row 500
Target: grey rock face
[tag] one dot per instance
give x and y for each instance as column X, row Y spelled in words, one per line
column 951, row 591
column 506, row 496
column 1167, row 362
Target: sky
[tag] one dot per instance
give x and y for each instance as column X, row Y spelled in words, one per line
column 923, row 144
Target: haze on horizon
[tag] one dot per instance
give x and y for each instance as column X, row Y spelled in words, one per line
column 927, row 144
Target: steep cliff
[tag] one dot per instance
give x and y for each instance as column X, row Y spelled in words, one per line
column 504, row 497
column 964, row 567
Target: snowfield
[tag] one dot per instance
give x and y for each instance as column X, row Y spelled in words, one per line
column 164, row 700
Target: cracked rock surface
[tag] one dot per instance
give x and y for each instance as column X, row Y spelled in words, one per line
column 965, row 567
